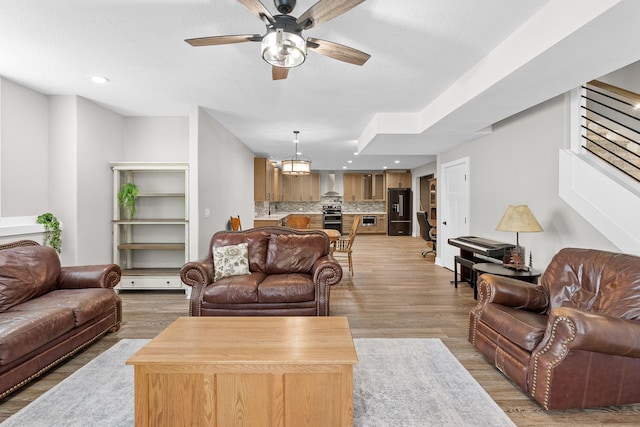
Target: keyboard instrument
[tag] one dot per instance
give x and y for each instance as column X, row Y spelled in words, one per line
column 473, row 245
column 474, row 250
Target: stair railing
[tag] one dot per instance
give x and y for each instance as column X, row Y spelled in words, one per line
column 611, row 126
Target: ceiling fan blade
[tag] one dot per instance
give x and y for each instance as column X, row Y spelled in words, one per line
column 325, row 10
column 217, row 40
column 257, row 8
column 337, row 51
column 279, row 73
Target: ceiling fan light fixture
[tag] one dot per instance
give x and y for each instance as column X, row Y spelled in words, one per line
column 284, row 49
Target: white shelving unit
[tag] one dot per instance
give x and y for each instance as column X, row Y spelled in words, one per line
column 153, row 246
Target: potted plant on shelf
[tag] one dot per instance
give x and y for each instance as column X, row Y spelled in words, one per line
column 127, row 197
column 51, row 230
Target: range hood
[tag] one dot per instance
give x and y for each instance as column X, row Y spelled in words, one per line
column 332, row 187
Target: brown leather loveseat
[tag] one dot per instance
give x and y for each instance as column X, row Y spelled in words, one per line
column 49, row 312
column 574, row 340
column 265, row 271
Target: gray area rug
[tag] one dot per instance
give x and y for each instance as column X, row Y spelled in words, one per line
column 397, row 382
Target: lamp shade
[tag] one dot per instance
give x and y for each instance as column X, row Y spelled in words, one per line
column 296, row 165
column 519, row 219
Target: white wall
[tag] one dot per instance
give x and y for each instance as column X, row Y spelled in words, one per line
column 63, row 158
column 156, row 139
column 23, row 150
column 224, row 168
column 55, row 153
column 83, row 138
column 518, row 164
column 100, row 140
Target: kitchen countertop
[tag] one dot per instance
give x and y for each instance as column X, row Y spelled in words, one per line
column 279, row 215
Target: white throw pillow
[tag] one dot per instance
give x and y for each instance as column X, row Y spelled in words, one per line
column 231, row 260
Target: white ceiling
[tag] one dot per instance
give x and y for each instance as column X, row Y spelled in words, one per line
column 441, row 71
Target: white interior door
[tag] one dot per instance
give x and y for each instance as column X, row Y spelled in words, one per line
column 454, row 213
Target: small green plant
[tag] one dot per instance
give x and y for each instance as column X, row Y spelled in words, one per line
column 127, row 197
column 51, row 230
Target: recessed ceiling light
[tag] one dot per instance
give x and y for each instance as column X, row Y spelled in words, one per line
column 397, row 161
column 349, row 161
column 99, row 79
column 356, row 153
column 344, row 167
column 635, row 107
column 384, row 167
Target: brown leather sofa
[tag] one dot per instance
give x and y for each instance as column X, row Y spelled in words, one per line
column 290, row 273
column 573, row 341
column 49, row 312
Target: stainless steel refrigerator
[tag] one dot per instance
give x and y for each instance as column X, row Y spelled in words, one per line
column 399, row 215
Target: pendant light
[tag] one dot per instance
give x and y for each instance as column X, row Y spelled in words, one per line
column 296, row 165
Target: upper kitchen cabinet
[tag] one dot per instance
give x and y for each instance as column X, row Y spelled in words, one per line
column 373, row 186
column 263, row 180
column 353, row 187
column 363, row 187
column 300, row 188
column 398, row 178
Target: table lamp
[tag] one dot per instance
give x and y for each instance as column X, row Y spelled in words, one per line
column 521, row 220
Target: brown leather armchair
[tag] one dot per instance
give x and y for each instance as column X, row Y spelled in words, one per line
column 573, row 341
column 288, row 273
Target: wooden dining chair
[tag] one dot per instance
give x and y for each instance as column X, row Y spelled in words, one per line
column 344, row 245
column 298, row 221
column 235, row 223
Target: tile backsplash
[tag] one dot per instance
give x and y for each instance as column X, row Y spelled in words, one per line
column 262, row 208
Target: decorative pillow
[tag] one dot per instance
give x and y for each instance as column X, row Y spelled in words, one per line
column 232, row 260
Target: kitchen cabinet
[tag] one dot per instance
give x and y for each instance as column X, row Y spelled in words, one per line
column 353, row 188
column 263, row 180
column 277, row 196
column 300, row 188
column 398, row 179
column 363, row 186
column 270, row 222
column 373, row 186
column 152, row 247
column 316, row 221
column 347, row 223
column 380, row 226
column 379, row 191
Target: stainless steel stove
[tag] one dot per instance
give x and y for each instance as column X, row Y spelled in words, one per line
column 332, row 217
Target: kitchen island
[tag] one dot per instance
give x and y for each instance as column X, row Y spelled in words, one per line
column 280, row 219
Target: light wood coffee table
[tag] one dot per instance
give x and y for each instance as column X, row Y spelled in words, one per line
column 252, row 371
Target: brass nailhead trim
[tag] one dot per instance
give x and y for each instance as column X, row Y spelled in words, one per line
column 57, row 361
column 555, row 361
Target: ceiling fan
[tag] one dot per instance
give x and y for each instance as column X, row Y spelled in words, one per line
column 283, row 45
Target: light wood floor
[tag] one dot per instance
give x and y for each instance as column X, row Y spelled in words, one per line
column 395, row 292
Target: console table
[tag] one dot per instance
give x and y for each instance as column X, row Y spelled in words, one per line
column 531, row 275
column 225, row 371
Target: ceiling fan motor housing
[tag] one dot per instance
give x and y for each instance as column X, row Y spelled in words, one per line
column 285, row 6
